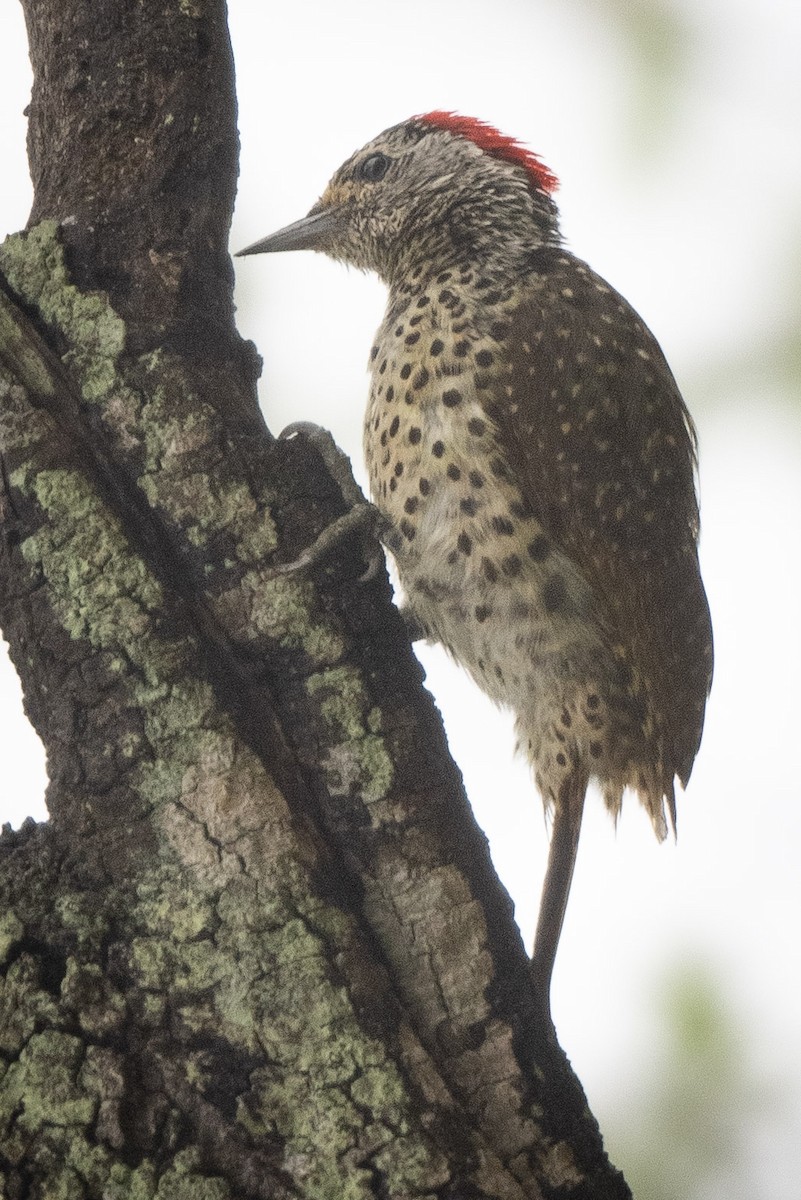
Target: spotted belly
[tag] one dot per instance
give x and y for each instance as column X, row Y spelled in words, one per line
column 484, row 578
column 521, row 622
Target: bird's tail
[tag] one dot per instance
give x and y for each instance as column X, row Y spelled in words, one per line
column 568, row 811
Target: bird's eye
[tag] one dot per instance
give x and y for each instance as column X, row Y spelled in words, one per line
column 374, row 168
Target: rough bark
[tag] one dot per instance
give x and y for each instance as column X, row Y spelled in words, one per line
column 259, row 950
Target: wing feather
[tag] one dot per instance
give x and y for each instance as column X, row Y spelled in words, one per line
column 595, row 429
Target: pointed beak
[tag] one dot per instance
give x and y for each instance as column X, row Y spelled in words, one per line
column 313, row 232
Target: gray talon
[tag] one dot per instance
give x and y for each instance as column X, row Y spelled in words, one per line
column 361, row 513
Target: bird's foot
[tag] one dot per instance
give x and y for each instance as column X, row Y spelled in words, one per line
column 361, row 515
column 366, row 518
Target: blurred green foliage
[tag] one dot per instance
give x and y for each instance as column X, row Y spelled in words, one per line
column 661, row 43
column 686, row 1128
column 673, row 68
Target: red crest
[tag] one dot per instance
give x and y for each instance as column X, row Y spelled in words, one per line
column 492, row 141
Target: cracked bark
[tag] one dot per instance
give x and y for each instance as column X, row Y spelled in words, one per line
column 259, row 949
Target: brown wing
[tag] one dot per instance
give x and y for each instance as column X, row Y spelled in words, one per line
column 594, row 426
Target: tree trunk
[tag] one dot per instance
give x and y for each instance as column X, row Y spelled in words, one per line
column 259, row 949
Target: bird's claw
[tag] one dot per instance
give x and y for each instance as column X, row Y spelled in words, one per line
column 336, row 461
column 360, row 515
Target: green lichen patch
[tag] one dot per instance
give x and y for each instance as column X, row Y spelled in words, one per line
column 185, row 1180
column 62, row 1181
column 42, row 1085
column 276, row 998
column 175, row 953
column 233, row 508
column 24, row 1004
column 362, row 768
column 170, row 902
column 181, row 435
column 101, row 591
column 283, row 609
column 84, row 916
column 341, row 698
column 127, row 1183
column 412, row 1168
column 99, row 1006
column 18, row 347
column 326, row 1070
column 249, row 965
column 34, row 265
column 325, row 1075
column 11, row 930
column 356, row 760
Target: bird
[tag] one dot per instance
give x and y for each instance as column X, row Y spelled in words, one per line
column 535, row 467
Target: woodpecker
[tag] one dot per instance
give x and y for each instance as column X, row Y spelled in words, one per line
column 535, row 464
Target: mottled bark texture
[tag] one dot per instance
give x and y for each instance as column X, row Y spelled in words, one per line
column 259, row 949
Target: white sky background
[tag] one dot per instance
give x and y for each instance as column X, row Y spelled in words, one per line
column 691, row 209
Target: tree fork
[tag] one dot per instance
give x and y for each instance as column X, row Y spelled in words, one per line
column 259, row 949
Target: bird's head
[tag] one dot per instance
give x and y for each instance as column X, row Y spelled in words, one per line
column 437, row 187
